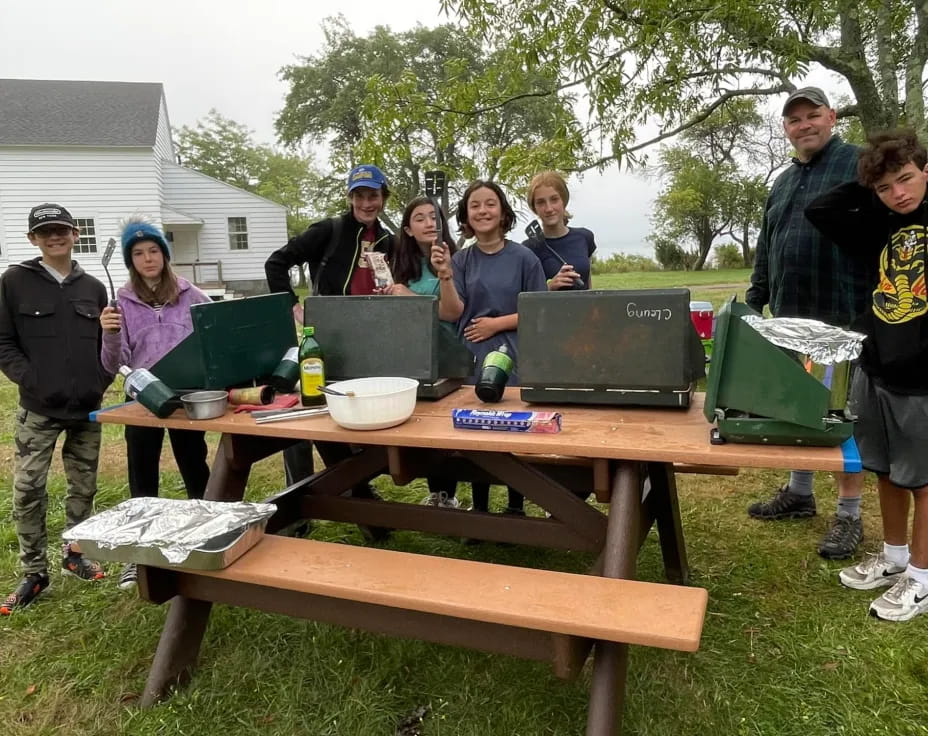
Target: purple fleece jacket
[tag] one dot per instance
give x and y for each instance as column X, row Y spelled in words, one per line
column 146, row 335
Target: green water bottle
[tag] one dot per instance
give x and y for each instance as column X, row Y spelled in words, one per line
column 150, row 391
column 494, row 374
column 312, row 370
column 287, row 372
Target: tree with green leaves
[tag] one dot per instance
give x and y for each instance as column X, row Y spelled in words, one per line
column 226, row 150
column 717, row 179
column 671, row 63
column 426, row 98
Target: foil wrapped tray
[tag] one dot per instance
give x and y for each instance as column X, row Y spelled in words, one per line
column 164, row 532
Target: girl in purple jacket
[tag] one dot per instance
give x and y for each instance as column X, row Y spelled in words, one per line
column 153, row 316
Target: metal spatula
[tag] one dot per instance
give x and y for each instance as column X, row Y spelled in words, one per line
column 107, row 255
column 436, row 183
column 534, row 232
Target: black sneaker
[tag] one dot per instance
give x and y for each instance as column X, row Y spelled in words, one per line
column 784, row 505
column 26, row 592
column 74, row 563
column 843, row 538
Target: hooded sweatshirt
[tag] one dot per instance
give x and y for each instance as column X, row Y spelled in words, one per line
column 50, row 339
column 147, row 335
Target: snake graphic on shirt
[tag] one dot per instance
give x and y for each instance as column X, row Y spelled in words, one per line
column 900, row 297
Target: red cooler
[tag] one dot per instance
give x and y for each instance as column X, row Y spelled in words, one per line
column 701, row 314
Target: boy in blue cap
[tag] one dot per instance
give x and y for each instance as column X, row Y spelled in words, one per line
column 50, row 347
column 334, row 248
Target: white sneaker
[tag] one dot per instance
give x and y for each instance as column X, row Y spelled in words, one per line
column 129, row 577
column 905, row 600
column 874, row 572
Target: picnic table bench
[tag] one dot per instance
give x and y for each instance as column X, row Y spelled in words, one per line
column 537, row 614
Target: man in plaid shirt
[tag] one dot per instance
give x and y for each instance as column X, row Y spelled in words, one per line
column 798, row 273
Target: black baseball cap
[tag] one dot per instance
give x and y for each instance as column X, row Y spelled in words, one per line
column 49, row 214
column 810, row 94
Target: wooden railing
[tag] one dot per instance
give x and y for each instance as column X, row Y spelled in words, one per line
column 201, row 273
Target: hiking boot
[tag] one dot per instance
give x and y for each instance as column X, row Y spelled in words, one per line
column 874, row 572
column 514, row 511
column 784, row 505
column 74, row 563
column 370, row 533
column 129, row 577
column 905, row 600
column 26, row 592
column 843, row 538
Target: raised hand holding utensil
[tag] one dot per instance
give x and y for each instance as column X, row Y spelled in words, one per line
column 534, row 232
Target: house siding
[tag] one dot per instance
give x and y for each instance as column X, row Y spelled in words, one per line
column 106, row 184
column 214, row 202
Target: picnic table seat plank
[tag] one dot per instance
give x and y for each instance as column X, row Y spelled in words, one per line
column 628, row 611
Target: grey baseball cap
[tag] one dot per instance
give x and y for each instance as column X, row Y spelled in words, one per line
column 811, row 94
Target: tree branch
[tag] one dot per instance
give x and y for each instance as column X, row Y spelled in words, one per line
column 695, row 120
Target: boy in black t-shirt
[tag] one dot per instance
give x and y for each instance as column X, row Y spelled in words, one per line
column 890, row 393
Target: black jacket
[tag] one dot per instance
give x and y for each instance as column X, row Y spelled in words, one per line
column 894, row 248
column 50, row 339
column 310, row 247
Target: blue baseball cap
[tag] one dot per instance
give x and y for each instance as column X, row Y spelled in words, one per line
column 366, row 175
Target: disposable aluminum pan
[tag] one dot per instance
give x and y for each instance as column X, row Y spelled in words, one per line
column 194, row 535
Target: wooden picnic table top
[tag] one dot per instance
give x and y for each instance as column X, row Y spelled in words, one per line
column 651, row 435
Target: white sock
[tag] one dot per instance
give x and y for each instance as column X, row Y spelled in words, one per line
column 897, row 554
column 917, row 573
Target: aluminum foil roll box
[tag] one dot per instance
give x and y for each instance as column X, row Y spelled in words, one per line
column 624, row 348
column 364, row 336
column 234, row 342
column 758, row 393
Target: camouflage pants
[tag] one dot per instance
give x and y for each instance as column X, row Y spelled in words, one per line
column 36, row 437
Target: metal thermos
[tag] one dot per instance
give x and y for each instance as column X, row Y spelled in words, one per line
column 150, row 391
column 287, row 372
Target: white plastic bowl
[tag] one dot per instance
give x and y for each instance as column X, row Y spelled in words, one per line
column 377, row 403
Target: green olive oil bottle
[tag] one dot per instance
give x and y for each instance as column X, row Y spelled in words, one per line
column 312, row 370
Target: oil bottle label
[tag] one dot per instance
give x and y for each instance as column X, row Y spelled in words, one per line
column 499, row 360
column 138, row 381
column 312, row 376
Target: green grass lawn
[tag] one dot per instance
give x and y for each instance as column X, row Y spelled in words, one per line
column 785, row 652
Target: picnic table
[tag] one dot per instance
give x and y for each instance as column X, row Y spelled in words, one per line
column 627, row 457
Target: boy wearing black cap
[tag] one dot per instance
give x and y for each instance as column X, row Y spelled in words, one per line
column 50, row 347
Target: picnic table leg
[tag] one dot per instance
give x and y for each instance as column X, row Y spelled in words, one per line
column 610, row 659
column 665, row 507
column 187, row 618
column 177, row 649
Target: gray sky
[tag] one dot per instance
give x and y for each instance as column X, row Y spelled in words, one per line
column 226, row 54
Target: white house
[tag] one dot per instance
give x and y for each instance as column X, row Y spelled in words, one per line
column 104, row 151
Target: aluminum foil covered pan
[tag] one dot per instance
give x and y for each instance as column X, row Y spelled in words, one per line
column 823, row 343
column 165, row 531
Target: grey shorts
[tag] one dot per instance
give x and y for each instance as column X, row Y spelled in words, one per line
column 891, row 432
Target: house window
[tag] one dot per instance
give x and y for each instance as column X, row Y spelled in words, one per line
column 87, row 242
column 238, row 233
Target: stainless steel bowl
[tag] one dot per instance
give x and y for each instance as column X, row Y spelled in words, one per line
column 205, row 404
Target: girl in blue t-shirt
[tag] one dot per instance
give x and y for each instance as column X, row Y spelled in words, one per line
column 489, row 276
column 567, row 252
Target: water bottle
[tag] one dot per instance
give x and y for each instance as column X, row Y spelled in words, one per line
column 287, row 372
column 494, row 374
column 150, row 391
